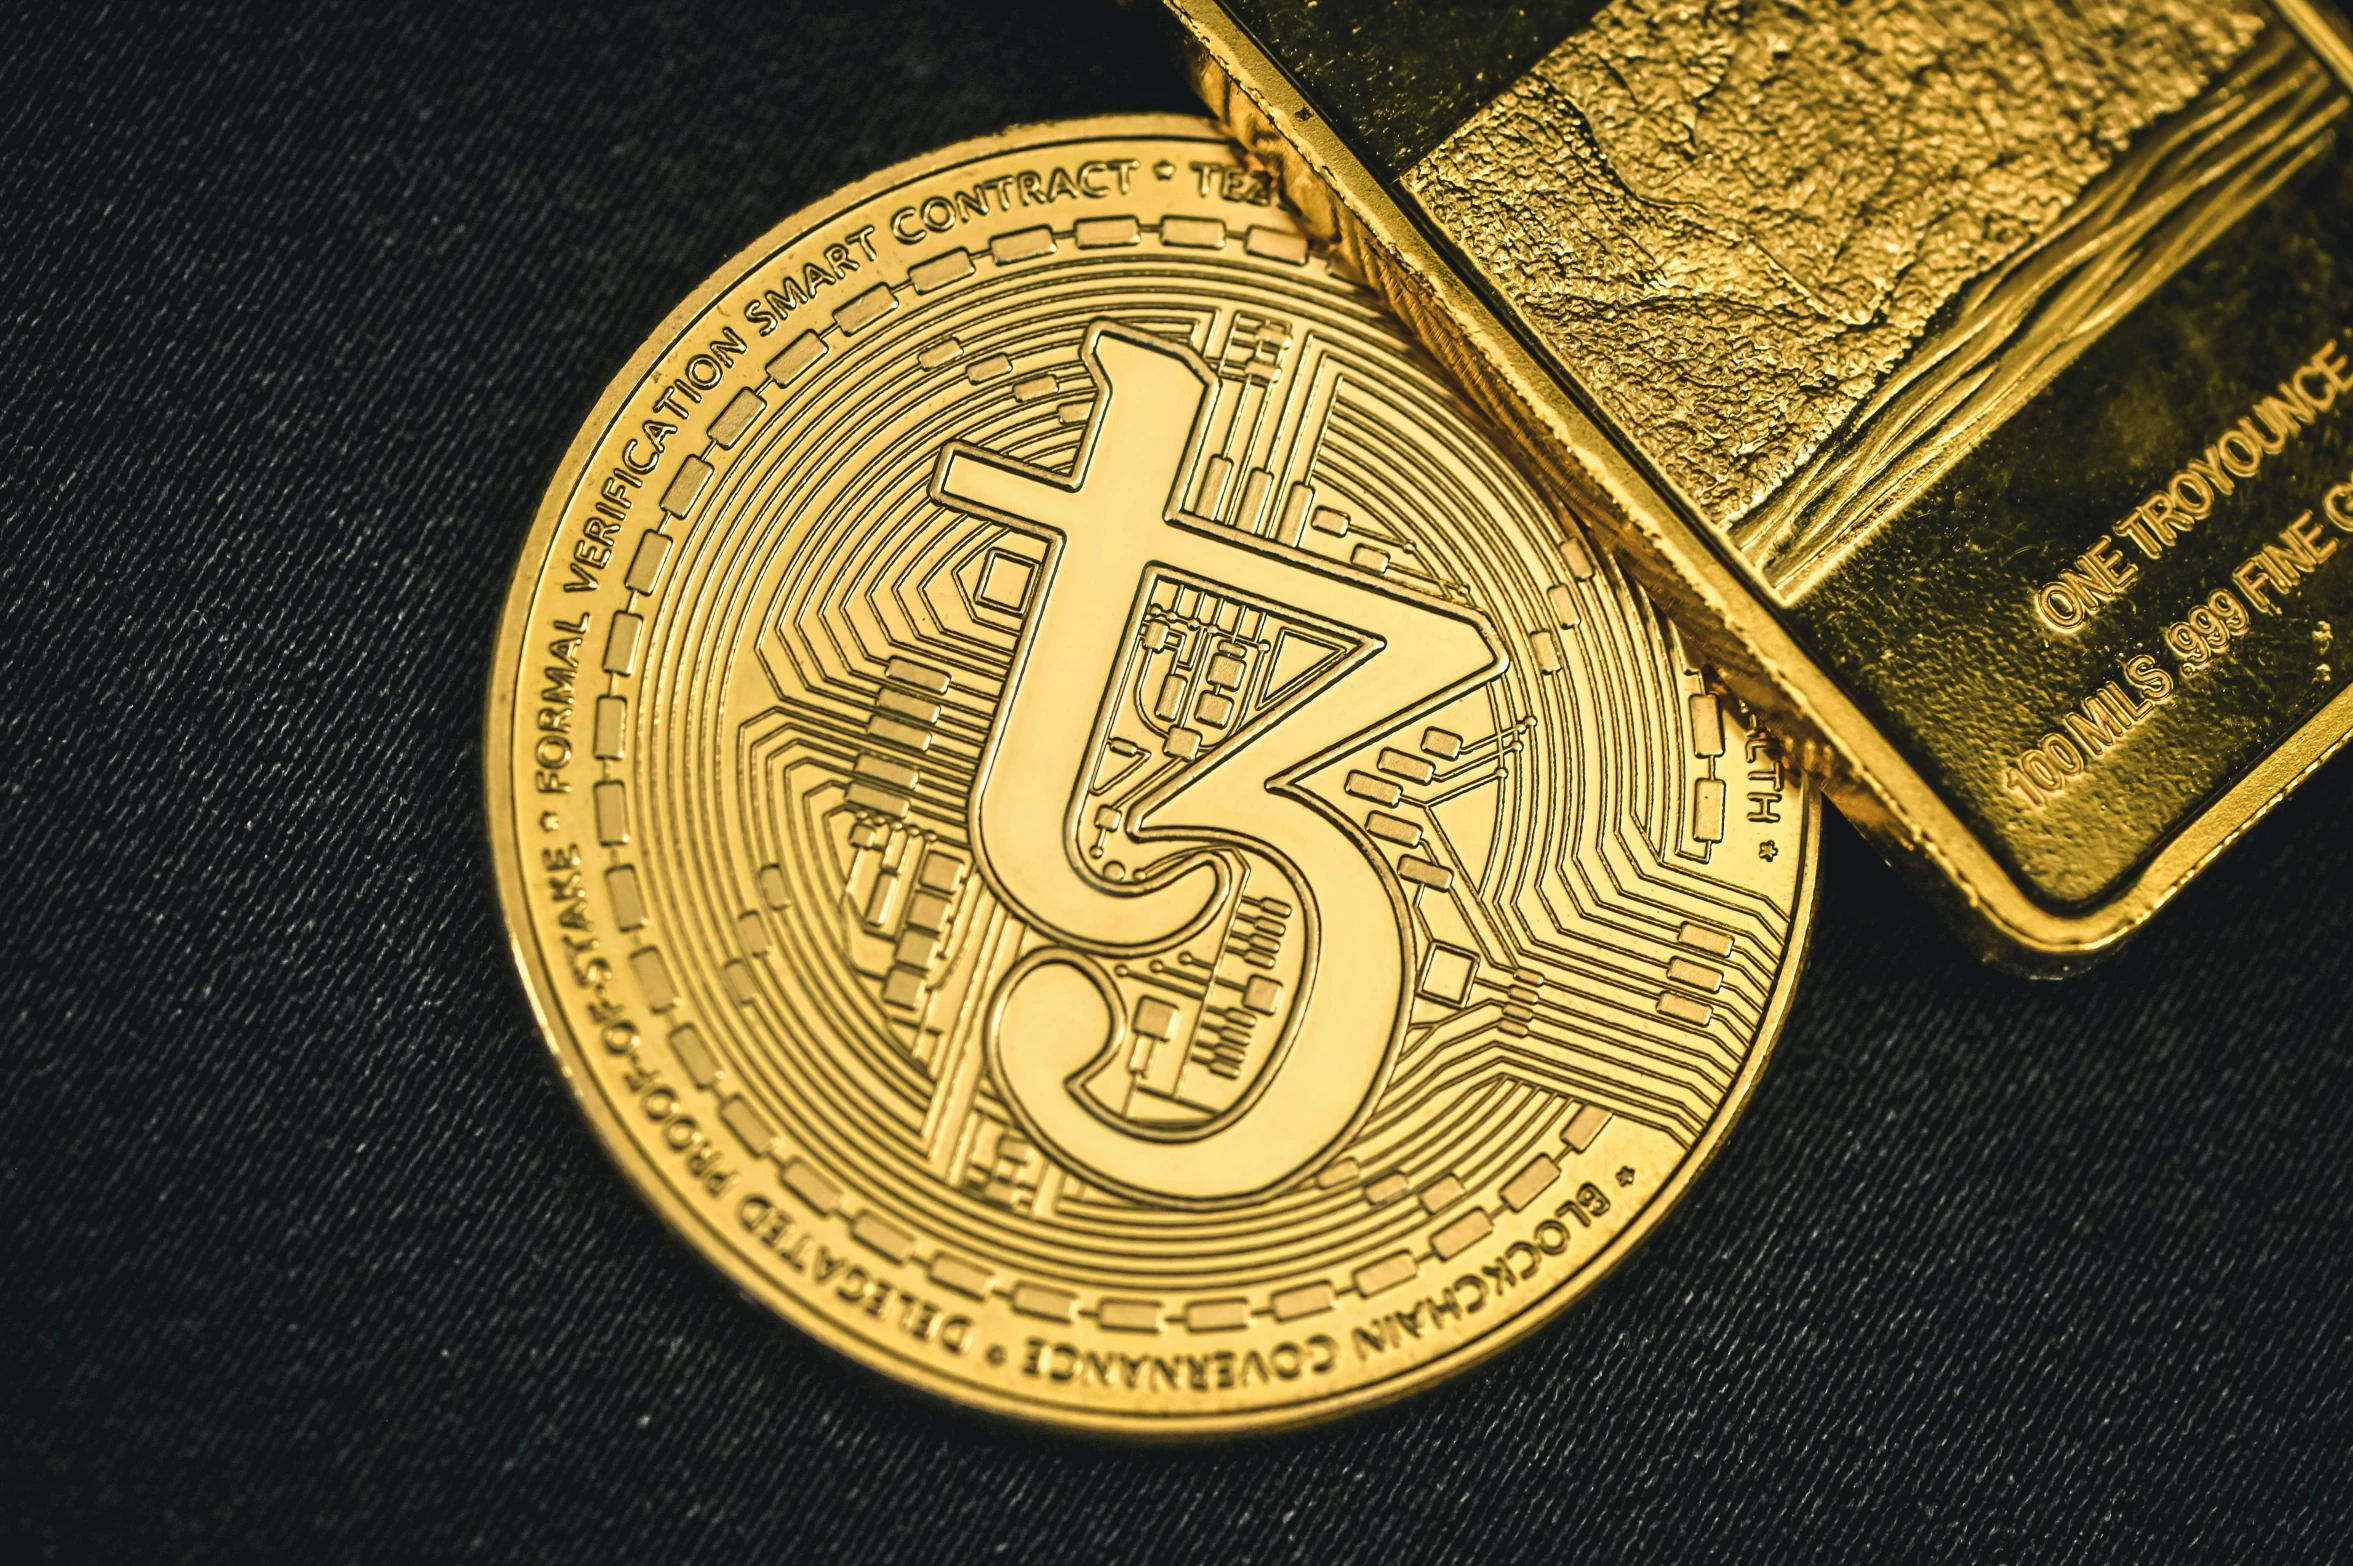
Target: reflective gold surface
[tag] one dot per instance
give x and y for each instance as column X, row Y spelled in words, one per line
column 1737, row 237
column 1079, row 830
column 1880, row 336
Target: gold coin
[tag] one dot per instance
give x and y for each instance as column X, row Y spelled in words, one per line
column 1078, row 829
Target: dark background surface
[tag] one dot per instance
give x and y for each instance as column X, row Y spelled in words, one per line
column 307, row 1254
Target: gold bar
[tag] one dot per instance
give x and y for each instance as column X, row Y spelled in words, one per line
column 2004, row 460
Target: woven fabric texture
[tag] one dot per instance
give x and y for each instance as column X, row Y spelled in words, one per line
column 307, row 1254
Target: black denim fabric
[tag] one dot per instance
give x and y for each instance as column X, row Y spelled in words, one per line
column 308, row 1255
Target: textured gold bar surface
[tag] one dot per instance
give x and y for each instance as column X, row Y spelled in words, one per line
column 1970, row 378
column 1735, row 238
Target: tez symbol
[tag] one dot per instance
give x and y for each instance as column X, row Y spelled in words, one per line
column 1057, row 1019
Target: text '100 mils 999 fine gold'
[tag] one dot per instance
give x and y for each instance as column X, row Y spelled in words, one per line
column 1080, row 831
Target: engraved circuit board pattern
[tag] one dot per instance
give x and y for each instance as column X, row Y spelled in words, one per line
column 797, row 673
